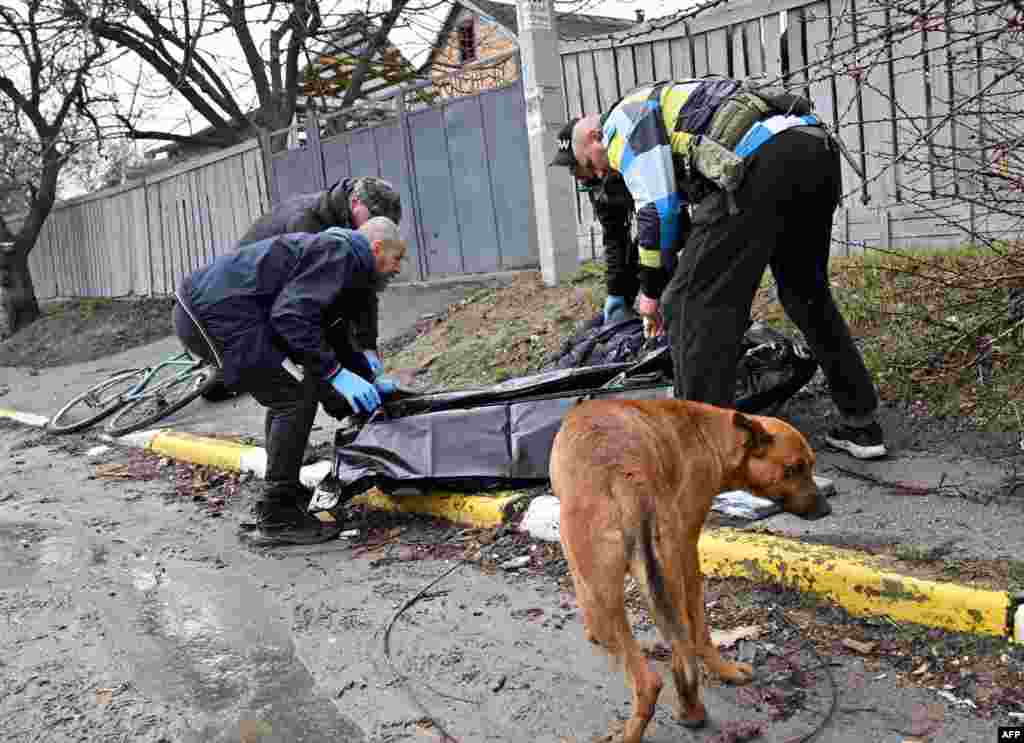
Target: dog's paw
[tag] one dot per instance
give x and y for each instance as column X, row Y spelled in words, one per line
column 736, row 673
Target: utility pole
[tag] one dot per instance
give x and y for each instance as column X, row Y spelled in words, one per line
column 553, row 190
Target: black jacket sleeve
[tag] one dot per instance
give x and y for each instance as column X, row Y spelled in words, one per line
column 613, row 207
column 364, row 322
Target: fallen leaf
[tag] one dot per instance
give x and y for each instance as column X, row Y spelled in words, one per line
column 113, row 471
column 104, row 696
column 857, row 646
column 425, row 727
column 250, row 731
column 738, row 732
column 926, row 719
column 728, row 638
column 923, row 668
column 911, row 487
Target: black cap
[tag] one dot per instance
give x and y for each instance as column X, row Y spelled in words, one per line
column 565, row 154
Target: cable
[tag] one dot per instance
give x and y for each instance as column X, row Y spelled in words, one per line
column 401, row 679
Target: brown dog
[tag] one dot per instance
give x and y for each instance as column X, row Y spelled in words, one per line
column 636, row 480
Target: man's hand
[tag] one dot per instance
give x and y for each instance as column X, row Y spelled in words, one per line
column 650, row 310
column 613, row 305
column 362, row 396
column 376, row 367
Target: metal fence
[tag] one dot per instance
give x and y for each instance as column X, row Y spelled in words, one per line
column 461, row 167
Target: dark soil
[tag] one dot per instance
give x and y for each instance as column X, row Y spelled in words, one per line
column 79, row 330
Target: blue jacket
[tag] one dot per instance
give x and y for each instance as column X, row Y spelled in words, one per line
column 267, row 301
column 315, row 212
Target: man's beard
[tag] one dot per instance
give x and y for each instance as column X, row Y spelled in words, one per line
column 381, row 280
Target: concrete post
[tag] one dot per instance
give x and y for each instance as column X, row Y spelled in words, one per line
column 553, row 192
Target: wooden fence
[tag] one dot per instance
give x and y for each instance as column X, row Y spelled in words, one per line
column 141, row 238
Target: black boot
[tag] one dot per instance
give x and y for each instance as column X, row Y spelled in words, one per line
column 282, row 518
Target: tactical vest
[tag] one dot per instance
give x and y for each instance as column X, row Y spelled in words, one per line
column 711, row 162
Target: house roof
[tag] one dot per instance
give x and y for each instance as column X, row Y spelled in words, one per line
column 570, row 25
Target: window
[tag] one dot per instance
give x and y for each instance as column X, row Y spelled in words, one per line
column 467, row 42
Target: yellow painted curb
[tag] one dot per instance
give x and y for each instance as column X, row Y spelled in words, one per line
column 480, row 511
column 854, row 582
column 28, row 419
column 200, row 449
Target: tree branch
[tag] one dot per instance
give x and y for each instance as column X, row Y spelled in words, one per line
column 129, row 39
column 378, row 42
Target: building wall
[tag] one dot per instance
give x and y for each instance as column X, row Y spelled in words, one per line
column 491, row 40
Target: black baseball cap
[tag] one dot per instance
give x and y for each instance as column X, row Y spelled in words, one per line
column 565, row 154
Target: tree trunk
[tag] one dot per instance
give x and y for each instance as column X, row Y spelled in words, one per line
column 18, row 303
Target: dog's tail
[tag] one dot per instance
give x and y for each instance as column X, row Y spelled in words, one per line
column 674, row 628
column 661, row 602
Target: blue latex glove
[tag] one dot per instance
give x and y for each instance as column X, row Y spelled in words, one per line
column 612, row 306
column 360, row 394
column 386, row 387
column 375, row 366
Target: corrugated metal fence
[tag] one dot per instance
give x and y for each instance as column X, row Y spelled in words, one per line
column 461, row 167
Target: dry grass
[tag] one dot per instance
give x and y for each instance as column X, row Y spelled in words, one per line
column 919, row 317
column 922, row 319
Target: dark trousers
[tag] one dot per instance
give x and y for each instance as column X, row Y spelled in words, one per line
column 787, row 199
column 291, row 405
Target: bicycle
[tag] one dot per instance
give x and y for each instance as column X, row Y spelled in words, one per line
column 134, row 400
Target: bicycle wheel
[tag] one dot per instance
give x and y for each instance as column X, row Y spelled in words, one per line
column 96, row 403
column 161, row 400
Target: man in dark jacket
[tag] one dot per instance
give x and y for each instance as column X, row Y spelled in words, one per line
column 348, row 203
column 613, row 206
column 261, row 310
column 761, row 177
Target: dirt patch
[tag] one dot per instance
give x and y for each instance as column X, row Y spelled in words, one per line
column 496, row 334
column 943, row 332
column 79, row 330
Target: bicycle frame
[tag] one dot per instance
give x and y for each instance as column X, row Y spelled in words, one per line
column 184, row 361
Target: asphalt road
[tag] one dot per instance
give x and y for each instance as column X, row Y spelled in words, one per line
column 129, row 613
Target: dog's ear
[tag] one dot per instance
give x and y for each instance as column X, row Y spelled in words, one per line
column 758, row 439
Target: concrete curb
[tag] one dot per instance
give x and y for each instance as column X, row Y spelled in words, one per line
column 858, row 583
column 474, row 511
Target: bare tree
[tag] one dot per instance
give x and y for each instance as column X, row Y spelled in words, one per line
column 242, row 66
column 46, row 65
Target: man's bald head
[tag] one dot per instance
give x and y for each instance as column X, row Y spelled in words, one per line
column 588, row 148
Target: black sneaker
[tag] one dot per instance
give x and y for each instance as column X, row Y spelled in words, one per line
column 863, row 443
column 287, row 522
